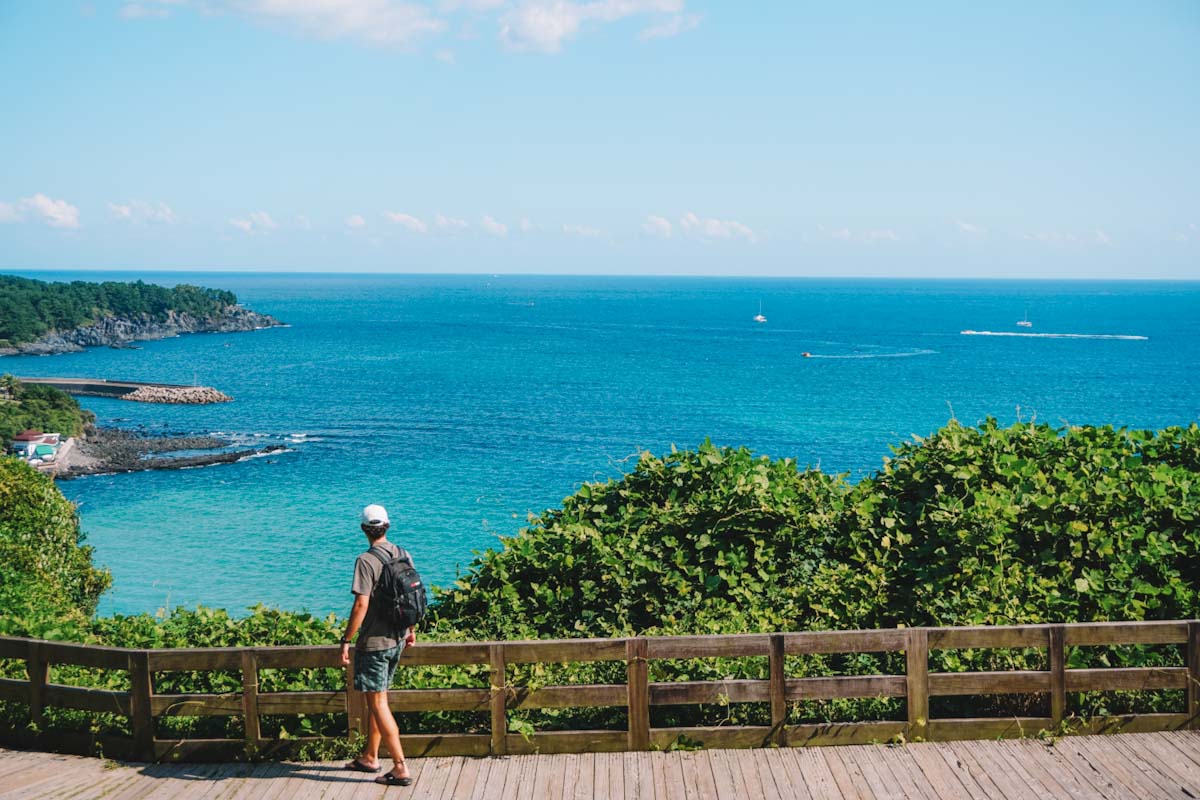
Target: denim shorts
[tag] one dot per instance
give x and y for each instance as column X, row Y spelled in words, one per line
column 373, row 670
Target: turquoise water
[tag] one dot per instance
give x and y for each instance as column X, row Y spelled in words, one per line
column 463, row 403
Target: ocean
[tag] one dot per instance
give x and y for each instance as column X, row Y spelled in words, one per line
column 466, row 403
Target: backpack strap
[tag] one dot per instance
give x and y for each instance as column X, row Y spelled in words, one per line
column 381, row 554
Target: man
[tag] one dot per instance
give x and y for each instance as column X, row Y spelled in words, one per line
column 377, row 652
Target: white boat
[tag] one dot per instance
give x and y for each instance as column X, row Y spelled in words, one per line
column 759, row 316
column 1025, row 323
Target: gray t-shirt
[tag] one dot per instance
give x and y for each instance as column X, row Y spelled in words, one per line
column 376, row 633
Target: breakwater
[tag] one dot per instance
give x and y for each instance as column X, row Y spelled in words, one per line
column 133, row 390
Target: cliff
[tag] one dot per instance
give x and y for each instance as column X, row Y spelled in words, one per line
column 117, row 331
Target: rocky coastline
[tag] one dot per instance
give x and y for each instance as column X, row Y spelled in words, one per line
column 104, row 451
column 120, row 331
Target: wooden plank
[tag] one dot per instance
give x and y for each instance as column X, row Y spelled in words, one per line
column 1109, row 633
column 743, row 763
column 141, row 714
column 298, row 657
column 1099, row 751
column 564, row 650
column 950, row 774
column 850, row 782
column 85, row 655
column 1015, row 784
column 916, row 656
column 1004, row 682
column 834, row 733
column 693, row 692
column 250, row 718
column 1155, row 748
column 729, row 736
column 778, row 689
column 548, row 742
column 197, row 705
column 910, row 777
column 1193, row 665
column 196, row 659
column 988, row 636
column 1132, row 723
column 878, row 781
column 498, row 698
column 16, row 647
column 726, row 776
column 13, row 689
column 582, row 696
column 1181, row 744
column 736, row 645
column 636, row 670
column 1126, row 678
column 87, row 699
column 1058, row 674
column 948, row 730
column 439, row 699
column 877, row 641
column 818, row 780
column 1152, row 773
column 1054, row 783
column 422, row 745
column 37, row 667
column 438, row 653
column 279, row 703
column 1109, row 778
column 846, row 686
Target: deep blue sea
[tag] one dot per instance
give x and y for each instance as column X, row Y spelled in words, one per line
column 464, row 403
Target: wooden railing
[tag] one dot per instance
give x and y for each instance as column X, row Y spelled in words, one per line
column 143, row 705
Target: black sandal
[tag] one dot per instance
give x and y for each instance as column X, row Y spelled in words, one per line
column 388, row 779
column 358, row 766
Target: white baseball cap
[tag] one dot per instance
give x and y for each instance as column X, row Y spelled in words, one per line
column 375, row 515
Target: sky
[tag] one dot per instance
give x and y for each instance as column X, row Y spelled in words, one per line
column 691, row 137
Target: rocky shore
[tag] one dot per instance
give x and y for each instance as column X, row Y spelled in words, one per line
column 107, row 450
column 120, row 331
column 189, row 395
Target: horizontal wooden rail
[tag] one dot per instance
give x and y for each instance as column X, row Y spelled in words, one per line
column 495, row 696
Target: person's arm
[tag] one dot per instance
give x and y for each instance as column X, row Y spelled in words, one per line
column 357, row 612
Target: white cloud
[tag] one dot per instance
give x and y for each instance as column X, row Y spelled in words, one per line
column 543, row 25
column 408, row 221
column 493, row 227
column 355, row 221
column 255, row 221
column 658, row 226
column 149, row 9
column 450, row 223
column 1102, row 237
column 973, row 230
column 841, row 234
column 881, row 235
column 711, row 228
column 526, row 225
column 582, row 230
column 680, row 23
column 55, row 213
column 376, row 22
column 138, row 211
column 445, row 56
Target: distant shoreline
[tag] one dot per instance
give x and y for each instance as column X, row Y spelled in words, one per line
column 108, row 451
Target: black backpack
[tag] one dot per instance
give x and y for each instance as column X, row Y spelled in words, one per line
column 399, row 591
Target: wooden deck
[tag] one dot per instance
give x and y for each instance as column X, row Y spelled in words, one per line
column 1136, row 766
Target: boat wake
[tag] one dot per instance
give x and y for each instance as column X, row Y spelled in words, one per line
column 908, row 354
column 1126, row 337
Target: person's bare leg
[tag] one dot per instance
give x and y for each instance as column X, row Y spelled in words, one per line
column 389, row 732
column 370, row 753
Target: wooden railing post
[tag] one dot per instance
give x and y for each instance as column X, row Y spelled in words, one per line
column 38, row 667
column 356, row 704
column 141, row 717
column 917, row 679
column 250, row 717
column 1057, row 657
column 1193, row 664
column 778, row 691
column 498, row 699
column 638, row 672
